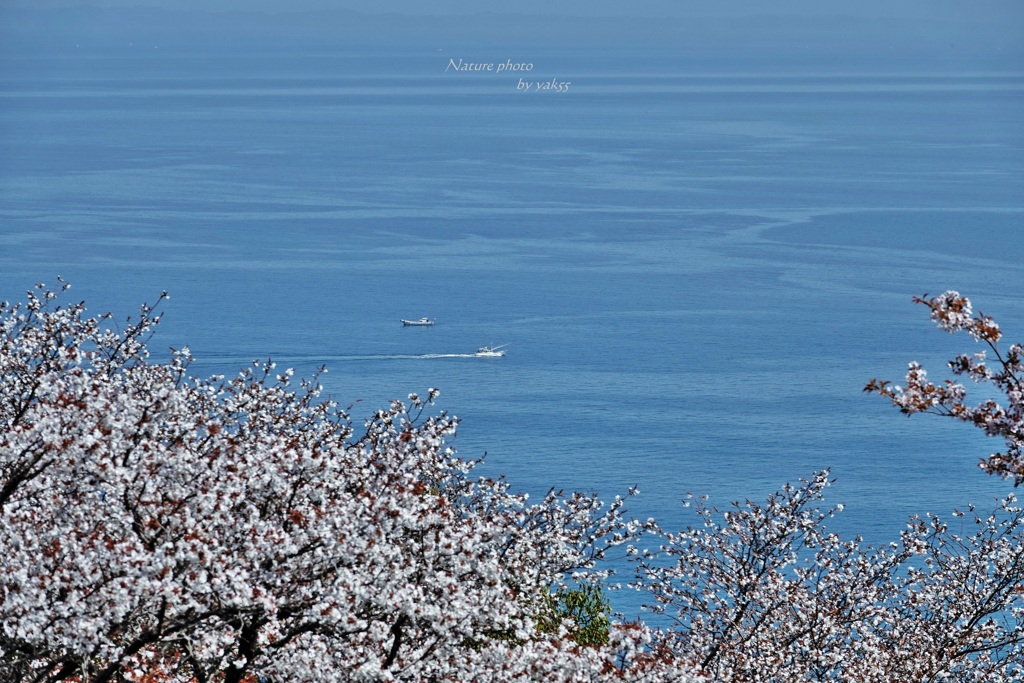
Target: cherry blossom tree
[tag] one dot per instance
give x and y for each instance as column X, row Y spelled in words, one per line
column 159, row 527
column 762, row 592
column 1003, row 370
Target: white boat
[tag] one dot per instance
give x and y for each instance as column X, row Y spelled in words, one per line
column 491, row 351
column 422, row 322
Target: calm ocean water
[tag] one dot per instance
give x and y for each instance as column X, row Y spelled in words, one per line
column 695, row 272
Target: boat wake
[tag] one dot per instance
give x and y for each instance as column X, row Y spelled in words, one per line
column 290, row 360
column 402, row 356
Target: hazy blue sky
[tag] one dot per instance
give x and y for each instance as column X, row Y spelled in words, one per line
column 986, row 10
column 944, row 33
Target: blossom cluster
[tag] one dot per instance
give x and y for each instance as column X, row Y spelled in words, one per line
column 1004, row 370
column 155, row 526
column 161, row 528
column 762, row 592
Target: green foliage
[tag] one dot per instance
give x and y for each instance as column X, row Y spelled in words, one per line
column 585, row 607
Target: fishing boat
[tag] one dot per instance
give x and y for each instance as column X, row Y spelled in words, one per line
column 491, row 351
column 422, row 322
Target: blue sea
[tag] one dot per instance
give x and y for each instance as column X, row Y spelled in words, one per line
column 695, row 269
